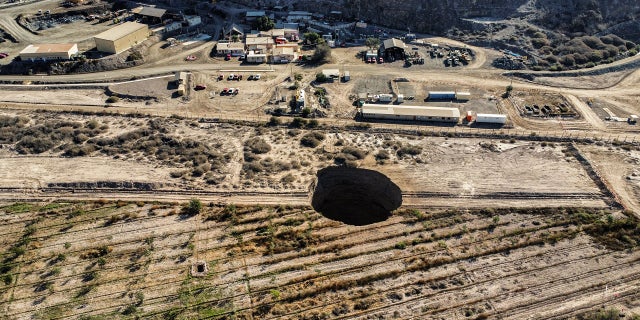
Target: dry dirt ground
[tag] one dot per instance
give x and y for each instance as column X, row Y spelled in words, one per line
column 432, row 169
column 111, row 260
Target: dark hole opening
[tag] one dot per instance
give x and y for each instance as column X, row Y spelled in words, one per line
column 355, row 196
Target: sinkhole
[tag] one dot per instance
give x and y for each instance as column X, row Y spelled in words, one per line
column 354, row 196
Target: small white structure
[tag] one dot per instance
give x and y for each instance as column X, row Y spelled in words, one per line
column 346, row 77
column 411, row 113
column 633, row 119
column 62, row 51
column 331, row 73
column 463, row 96
column 491, row 118
column 255, row 57
column 400, row 98
column 300, row 98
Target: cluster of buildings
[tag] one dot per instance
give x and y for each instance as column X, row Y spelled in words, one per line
column 275, row 45
column 400, row 112
column 117, row 39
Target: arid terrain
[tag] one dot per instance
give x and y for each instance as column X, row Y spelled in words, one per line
column 122, row 199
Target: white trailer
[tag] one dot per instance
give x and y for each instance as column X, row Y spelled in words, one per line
column 491, row 118
column 463, row 96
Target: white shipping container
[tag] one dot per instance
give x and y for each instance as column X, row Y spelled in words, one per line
column 491, row 118
column 463, row 96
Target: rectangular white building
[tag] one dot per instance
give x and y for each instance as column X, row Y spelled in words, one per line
column 49, row 51
column 410, row 113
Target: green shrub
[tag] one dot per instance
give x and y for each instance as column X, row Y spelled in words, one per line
column 113, row 99
column 194, row 207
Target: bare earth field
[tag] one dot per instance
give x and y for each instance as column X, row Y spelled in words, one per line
column 203, row 206
column 119, row 260
column 435, row 171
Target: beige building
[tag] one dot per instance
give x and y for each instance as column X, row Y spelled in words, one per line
column 411, row 113
column 122, row 37
column 233, row 48
column 51, row 51
column 259, row 43
column 283, row 55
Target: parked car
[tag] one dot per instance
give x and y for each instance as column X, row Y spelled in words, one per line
column 254, row 77
column 220, row 77
column 190, row 58
column 200, row 86
column 3, row 55
column 227, row 57
column 380, row 60
column 234, row 91
column 224, row 91
column 231, row 77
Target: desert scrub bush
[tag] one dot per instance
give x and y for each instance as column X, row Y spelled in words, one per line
column 289, row 178
column 409, row 150
column 298, row 122
column 382, row 155
column 257, row 145
column 312, row 139
column 193, row 207
column 353, row 153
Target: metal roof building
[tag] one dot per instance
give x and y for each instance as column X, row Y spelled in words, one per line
column 122, row 37
column 50, row 51
column 152, row 12
column 411, row 113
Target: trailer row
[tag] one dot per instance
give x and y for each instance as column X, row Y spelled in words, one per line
column 426, row 114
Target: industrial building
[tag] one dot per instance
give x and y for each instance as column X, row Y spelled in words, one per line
column 122, row 37
column 410, row 113
column 51, row 51
column 394, row 49
column 150, row 15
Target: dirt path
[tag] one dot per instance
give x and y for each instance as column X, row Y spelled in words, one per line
column 591, row 117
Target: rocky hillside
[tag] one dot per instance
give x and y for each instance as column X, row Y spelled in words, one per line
column 580, row 17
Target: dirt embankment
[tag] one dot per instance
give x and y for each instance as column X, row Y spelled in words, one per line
column 532, row 76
